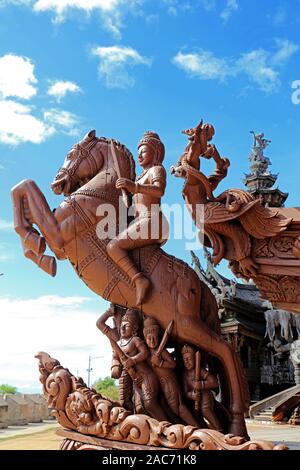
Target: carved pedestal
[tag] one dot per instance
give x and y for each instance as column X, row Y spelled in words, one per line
column 93, row 422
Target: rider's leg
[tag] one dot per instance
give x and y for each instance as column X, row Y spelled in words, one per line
column 118, row 250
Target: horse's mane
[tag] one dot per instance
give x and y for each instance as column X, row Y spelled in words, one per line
column 124, row 157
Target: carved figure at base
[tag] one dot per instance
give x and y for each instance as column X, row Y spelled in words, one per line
column 198, row 386
column 163, row 365
column 133, row 354
column 149, row 226
column 82, row 413
column 117, row 370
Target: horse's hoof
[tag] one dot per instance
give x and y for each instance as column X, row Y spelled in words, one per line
column 48, row 264
column 34, row 242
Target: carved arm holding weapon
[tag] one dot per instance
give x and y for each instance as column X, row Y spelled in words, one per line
column 162, row 358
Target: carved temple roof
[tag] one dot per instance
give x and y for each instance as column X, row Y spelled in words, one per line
column 260, row 181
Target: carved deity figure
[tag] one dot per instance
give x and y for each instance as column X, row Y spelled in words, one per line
column 200, row 391
column 259, row 140
column 163, row 365
column 133, row 354
column 149, row 226
column 259, row 162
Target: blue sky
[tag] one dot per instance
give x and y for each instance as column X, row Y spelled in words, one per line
column 123, row 67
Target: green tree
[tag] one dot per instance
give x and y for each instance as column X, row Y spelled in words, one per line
column 107, row 387
column 5, row 388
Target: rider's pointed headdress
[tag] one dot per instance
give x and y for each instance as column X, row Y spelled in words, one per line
column 152, row 138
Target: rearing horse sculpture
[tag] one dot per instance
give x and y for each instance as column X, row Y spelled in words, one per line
column 88, row 178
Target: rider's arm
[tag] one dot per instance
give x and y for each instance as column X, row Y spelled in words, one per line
column 158, row 183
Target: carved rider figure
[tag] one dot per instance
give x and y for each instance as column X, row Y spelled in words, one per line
column 163, row 365
column 200, row 391
column 149, row 226
column 133, row 354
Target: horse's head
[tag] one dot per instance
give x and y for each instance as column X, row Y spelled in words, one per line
column 82, row 163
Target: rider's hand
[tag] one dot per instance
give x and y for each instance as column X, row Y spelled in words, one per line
column 124, row 183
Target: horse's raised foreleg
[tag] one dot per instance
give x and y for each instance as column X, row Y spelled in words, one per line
column 195, row 332
column 30, row 207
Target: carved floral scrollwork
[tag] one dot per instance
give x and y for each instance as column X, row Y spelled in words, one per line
column 281, row 246
column 80, row 408
column 279, row 288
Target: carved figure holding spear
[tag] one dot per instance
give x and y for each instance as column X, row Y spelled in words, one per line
column 198, row 385
column 163, row 365
column 133, row 354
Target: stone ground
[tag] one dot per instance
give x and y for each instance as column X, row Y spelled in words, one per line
column 41, row 436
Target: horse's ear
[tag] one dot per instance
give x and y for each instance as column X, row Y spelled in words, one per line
column 90, row 135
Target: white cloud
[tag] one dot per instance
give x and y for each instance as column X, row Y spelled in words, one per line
column 285, row 51
column 17, row 77
column 18, row 124
column 172, row 6
column 60, row 119
column 113, row 64
column 262, row 67
column 255, row 65
column 111, row 11
column 4, row 3
column 230, row 8
column 208, row 5
column 203, row 65
column 62, row 326
column 279, row 17
column 59, row 89
column 60, row 7
column 5, row 225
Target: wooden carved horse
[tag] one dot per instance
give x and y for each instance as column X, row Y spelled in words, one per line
column 87, row 179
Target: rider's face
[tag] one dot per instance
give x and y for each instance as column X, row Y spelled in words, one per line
column 146, row 155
